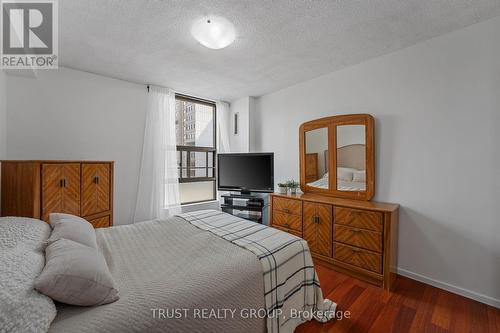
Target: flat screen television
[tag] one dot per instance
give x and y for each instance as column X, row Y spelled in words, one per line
column 249, row 172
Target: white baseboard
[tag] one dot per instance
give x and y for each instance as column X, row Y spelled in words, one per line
column 451, row 288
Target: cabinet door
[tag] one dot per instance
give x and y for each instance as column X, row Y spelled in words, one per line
column 101, row 222
column 96, row 180
column 318, row 228
column 60, row 189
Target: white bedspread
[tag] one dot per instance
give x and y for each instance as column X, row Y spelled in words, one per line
column 22, row 308
column 291, row 285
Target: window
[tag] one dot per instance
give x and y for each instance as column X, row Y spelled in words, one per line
column 196, row 153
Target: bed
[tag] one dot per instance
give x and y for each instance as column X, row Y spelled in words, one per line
column 342, row 184
column 208, row 267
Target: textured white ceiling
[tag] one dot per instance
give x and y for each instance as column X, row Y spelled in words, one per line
column 279, row 42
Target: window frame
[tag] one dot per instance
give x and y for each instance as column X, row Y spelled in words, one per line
column 206, row 150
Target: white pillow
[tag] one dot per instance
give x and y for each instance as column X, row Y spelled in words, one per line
column 359, row 176
column 76, row 274
column 55, row 218
column 72, row 227
column 345, row 174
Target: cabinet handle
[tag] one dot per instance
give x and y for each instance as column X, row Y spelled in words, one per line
column 286, row 210
column 61, row 183
column 64, row 182
column 286, row 225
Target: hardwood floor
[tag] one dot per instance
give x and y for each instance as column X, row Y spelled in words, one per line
column 411, row 307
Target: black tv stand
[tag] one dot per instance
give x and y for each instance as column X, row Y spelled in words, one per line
column 249, row 206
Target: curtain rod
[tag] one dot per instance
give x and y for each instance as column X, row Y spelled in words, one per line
column 193, row 98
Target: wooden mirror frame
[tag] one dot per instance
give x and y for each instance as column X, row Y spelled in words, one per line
column 331, row 124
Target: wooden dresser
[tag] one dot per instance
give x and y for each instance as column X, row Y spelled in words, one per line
column 37, row 188
column 355, row 237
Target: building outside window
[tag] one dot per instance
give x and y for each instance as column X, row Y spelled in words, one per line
column 196, row 152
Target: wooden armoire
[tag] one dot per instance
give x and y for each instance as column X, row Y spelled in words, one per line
column 37, row 188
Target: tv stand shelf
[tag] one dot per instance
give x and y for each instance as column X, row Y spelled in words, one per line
column 247, row 206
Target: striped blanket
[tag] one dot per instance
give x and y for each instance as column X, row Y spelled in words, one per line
column 291, row 286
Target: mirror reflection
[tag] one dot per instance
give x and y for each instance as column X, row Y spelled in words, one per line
column 351, row 155
column 316, row 159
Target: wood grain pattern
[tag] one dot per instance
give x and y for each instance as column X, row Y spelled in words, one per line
column 371, row 228
column 71, row 189
column 52, row 190
column 370, row 240
column 341, row 202
column 20, row 193
column 287, row 205
column 358, row 218
column 311, row 164
column 358, row 257
column 101, row 222
column 38, row 188
column 317, row 227
column 60, row 189
column 410, row 307
column 95, row 188
column 288, row 221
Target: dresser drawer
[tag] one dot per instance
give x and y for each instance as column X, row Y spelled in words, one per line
column 287, row 220
column 371, row 240
column 358, row 257
column 289, row 206
column 101, row 222
column 359, row 218
column 290, row 231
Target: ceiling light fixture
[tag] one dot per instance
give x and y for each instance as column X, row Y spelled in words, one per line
column 214, row 32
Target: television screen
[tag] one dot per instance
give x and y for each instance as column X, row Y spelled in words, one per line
column 252, row 172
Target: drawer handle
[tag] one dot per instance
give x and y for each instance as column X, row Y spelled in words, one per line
column 287, row 225
column 355, row 250
column 316, row 219
column 286, row 210
column 355, row 231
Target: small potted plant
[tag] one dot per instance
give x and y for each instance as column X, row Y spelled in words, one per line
column 292, row 186
column 282, row 188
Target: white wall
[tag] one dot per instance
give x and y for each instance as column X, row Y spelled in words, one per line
column 3, row 115
column 317, row 142
column 69, row 114
column 437, row 111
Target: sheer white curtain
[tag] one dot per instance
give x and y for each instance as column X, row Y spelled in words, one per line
column 158, row 191
column 223, row 121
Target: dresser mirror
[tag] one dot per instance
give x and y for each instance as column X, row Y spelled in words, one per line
column 351, row 158
column 337, row 156
column 316, row 159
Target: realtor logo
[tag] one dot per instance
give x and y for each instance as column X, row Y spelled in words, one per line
column 29, row 34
